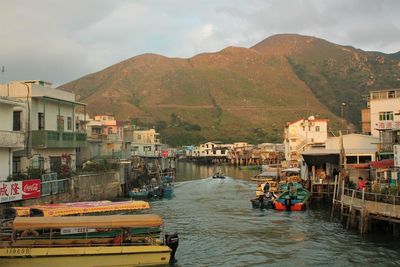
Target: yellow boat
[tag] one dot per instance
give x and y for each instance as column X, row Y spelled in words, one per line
column 66, row 241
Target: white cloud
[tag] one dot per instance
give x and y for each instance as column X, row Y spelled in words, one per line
column 64, row 40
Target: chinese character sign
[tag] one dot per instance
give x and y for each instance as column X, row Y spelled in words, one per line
column 12, row 191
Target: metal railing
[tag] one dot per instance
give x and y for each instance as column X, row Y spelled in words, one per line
column 51, row 185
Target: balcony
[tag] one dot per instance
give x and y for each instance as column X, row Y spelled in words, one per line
column 55, row 139
column 11, row 139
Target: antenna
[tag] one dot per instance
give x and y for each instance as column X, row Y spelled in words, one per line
column 2, row 74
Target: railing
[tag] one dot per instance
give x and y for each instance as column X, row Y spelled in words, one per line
column 369, row 196
column 55, row 139
column 52, row 186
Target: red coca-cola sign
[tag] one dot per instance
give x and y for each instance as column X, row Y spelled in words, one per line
column 30, row 189
column 17, row 190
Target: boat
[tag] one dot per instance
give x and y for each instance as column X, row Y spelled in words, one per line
column 168, row 190
column 218, row 176
column 271, row 186
column 292, row 200
column 141, row 193
column 67, row 241
column 265, row 201
column 90, row 208
column 167, row 179
column 265, row 176
column 286, row 186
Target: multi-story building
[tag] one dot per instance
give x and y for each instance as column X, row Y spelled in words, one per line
column 11, row 136
column 384, row 120
column 105, row 138
column 142, row 142
column 50, row 125
column 302, row 135
column 215, row 149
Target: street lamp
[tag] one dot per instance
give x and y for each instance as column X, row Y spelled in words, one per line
column 341, row 108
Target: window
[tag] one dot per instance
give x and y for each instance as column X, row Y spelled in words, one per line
column 60, row 123
column 386, row 116
column 55, row 164
column 317, row 129
column 17, row 120
column 16, row 165
column 364, row 159
column 391, row 94
column 147, row 148
column 351, row 159
column 139, row 137
column 41, row 121
column 110, row 130
column 69, row 123
column 135, row 148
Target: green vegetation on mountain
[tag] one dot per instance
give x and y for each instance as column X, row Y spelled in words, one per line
column 239, row 94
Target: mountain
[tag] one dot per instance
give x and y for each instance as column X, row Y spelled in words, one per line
column 239, row 93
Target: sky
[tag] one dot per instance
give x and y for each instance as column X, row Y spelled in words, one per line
column 60, row 41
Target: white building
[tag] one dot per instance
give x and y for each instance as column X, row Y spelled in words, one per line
column 49, row 121
column 384, row 112
column 11, row 136
column 358, row 149
column 302, row 135
column 212, row 149
column 143, row 142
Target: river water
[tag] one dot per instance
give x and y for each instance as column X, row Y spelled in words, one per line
column 218, row 227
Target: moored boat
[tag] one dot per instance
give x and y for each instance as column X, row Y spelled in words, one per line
column 67, row 241
column 141, row 193
column 292, row 200
column 265, row 176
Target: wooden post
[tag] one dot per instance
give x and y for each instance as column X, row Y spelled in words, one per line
column 333, row 199
column 350, row 209
column 341, row 203
column 334, row 190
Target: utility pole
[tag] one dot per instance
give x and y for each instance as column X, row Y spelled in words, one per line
column 342, row 119
column 2, row 74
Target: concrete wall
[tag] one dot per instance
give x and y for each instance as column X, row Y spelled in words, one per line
column 5, row 164
column 105, row 186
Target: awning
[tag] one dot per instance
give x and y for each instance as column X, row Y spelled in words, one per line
column 292, row 170
column 320, row 159
column 382, row 164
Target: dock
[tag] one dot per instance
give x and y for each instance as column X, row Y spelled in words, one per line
column 360, row 210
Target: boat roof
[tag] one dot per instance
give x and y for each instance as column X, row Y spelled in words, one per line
column 111, row 221
column 52, row 210
column 16, row 211
column 268, row 174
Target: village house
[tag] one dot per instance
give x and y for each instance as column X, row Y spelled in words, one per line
column 382, row 119
column 303, row 135
column 105, row 138
column 49, row 122
column 11, row 136
column 142, row 142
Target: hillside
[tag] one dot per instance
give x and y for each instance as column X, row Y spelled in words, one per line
column 335, row 73
column 238, row 93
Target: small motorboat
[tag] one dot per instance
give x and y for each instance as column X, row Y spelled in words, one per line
column 168, row 190
column 263, row 202
column 141, row 193
column 292, row 200
column 218, row 176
